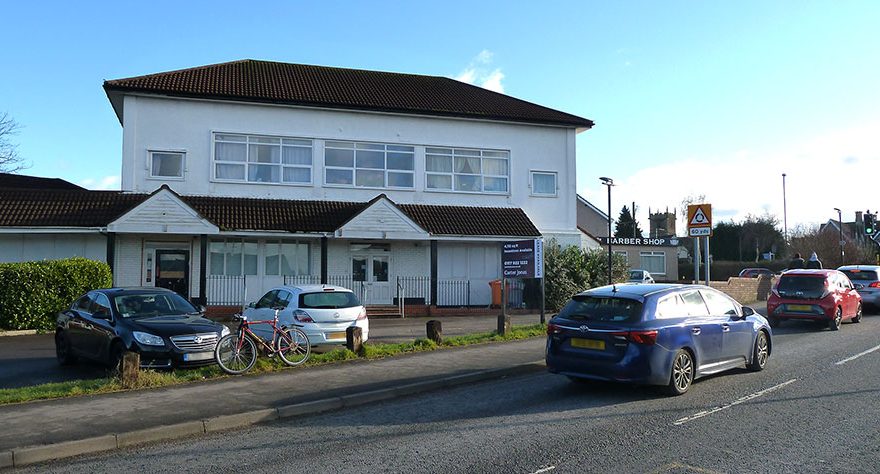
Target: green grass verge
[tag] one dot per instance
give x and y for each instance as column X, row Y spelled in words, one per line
column 153, row 379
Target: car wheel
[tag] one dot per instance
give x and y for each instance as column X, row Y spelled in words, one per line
column 62, row 349
column 775, row 322
column 760, row 353
column 858, row 317
column 834, row 324
column 682, row 373
column 115, row 359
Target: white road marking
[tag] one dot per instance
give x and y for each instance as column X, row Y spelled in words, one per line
column 546, row 469
column 738, row 401
column 844, row 361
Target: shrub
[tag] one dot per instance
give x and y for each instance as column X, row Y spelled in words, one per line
column 570, row 270
column 32, row 293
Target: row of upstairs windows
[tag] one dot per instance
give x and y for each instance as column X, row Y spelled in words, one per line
column 286, row 160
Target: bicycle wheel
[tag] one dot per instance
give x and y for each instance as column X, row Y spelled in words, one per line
column 293, row 346
column 235, row 356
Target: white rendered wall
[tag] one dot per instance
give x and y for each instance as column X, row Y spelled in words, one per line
column 153, row 123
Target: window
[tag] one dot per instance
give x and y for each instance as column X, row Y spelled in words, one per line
column 543, row 183
column 262, row 159
column 233, row 257
column 719, row 304
column 287, row 258
column 694, row 304
column 369, row 165
column 623, row 254
column 464, row 170
column 166, row 164
column 653, row 262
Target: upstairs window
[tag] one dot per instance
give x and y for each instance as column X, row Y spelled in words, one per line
column 166, row 164
column 262, row 159
column 543, row 183
column 466, row 170
column 368, row 165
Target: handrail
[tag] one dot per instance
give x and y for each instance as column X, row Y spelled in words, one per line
column 401, row 297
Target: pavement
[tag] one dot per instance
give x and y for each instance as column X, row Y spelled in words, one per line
column 54, row 429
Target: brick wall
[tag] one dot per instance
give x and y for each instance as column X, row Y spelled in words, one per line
column 745, row 290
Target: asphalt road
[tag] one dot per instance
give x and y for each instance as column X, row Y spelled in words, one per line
column 30, row 360
column 814, row 409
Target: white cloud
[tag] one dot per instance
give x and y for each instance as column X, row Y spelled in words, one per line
column 835, row 169
column 480, row 72
column 101, row 184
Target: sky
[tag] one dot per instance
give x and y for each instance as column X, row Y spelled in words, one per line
column 689, row 98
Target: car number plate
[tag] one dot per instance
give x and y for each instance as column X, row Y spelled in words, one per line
column 336, row 335
column 798, row 307
column 192, row 356
column 588, row 343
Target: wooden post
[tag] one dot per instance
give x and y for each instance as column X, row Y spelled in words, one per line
column 354, row 339
column 435, row 331
column 131, row 364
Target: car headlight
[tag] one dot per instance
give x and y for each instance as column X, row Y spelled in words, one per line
column 148, row 339
column 225, row 331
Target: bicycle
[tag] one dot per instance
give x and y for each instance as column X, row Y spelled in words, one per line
column 236, row 353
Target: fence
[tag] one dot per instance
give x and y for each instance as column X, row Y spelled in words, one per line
column 224, row 290
column 414, row 287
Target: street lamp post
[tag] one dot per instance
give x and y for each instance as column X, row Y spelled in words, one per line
column 608, row 182
column 784, row 213
column 840, row 233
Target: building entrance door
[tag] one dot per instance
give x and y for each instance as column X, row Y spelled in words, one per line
column 372, row 271
column 172, row 270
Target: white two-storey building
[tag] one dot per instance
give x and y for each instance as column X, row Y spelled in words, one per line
column 244, row 175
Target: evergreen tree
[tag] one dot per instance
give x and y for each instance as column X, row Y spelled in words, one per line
column 625, row 225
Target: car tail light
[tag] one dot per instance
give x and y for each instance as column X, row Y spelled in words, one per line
column 302, row 316
column 876, row 284
column 362, row 314
column 553, row 329
column 639, row 337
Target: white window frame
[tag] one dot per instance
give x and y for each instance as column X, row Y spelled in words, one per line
column 182, row 154
column 653, row 253
column 555, row 175
column 369, row 147
column 623, row 253
column 247, row 163
column 481, row 153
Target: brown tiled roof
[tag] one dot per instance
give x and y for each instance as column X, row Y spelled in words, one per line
column 20, row 181
column 61, row 208
column 273, row 214
column 321, row 86
column 467, row 220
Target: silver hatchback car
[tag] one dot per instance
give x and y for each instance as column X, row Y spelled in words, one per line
column 866, row 279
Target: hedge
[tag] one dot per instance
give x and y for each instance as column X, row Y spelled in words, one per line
column 32, row 293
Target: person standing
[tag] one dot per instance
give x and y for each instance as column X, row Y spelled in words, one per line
column 796, row 262
column 814, row 262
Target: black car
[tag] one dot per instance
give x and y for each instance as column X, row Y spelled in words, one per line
column 166, row 329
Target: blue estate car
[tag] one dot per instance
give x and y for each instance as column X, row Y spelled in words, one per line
column 655, row 334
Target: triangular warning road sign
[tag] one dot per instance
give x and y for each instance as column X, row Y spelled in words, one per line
column 699, row 218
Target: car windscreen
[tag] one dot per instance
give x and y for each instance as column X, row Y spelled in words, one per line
column 152, row 304
column 809, row 287
column 600, row 308
column 635, row 275
column 861, row 275
column 328, row 300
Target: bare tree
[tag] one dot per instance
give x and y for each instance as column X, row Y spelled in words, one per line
column 10, row 161
column 826, row 243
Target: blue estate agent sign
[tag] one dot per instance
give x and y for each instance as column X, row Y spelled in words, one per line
column 523, row 259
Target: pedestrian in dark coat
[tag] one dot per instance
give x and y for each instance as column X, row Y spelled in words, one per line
column 814, row 262
column 796, row 262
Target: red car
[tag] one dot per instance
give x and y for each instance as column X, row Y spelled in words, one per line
column 825, row 296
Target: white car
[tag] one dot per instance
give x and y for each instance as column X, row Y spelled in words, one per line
column 640, row 276
column 323, row 312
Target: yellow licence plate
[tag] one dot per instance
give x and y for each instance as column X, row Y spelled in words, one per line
column 799, row 307
column 588, row 343
column 336, row 335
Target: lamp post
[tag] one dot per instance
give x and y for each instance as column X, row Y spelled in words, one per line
column 784, row 213
column 608, row 182
column 840, row 233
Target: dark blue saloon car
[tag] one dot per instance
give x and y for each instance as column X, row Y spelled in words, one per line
column 655, row 334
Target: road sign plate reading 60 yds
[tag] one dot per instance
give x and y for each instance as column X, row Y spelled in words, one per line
column 699, row 220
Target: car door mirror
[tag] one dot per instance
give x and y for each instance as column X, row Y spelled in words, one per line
column 748, row 311
column 252, row 304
